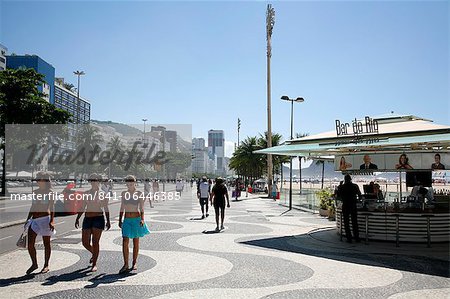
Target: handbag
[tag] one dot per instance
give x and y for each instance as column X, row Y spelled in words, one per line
column 22, row 242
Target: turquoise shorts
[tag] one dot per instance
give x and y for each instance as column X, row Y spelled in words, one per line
column 131, row 228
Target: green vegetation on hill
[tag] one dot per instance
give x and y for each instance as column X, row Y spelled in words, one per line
column 120, row 128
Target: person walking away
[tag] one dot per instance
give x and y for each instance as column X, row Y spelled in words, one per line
column 133, row 225
column 40, row 220
column 95, row 208
column 350, row 193
column 148, row 192
column 236, row 190
column 179, row 186
column 203, row 195
column 218, row 194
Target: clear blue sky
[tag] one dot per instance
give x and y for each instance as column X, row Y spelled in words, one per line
column 204, row 63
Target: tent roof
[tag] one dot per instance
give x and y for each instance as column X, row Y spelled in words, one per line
column 396, row 133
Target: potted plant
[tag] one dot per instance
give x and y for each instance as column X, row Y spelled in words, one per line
column 325, row 196
column 331, row 211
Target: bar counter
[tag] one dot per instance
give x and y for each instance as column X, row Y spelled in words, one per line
column 401, row 225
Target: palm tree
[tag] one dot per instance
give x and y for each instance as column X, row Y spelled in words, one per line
column 277, row 159
column 69, row 86
column 245, row 162
column 300, row 135
column 115, row 147
column 323, row 169
column 88, row 140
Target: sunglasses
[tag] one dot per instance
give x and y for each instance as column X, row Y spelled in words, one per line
column 42, row 180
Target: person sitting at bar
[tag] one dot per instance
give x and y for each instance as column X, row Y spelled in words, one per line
column 377, row 191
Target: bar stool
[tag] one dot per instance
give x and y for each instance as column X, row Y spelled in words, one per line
column 340, row 225
column 366, row 215
column 397, row 230
column 428, row 229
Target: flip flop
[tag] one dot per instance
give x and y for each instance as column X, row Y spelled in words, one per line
column 31, row 269
column 45, row 270
column 124, row 270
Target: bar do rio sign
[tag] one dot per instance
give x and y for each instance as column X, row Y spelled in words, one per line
column 357, row 127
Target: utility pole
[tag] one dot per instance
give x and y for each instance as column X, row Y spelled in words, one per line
column 270, row 22
column 238, row 129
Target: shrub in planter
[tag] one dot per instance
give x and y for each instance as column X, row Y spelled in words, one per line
column 325, row 200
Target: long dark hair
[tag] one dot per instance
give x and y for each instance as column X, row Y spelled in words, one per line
column 400, row 159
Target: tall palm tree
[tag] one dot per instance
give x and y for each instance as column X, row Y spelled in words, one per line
column 300, row 135
column 245, row 162
column 322, row 162
column 88, row 140
column 116, row 149
column 277, row 159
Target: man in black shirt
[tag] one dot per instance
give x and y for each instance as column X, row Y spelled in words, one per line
column 217, row 198
column 350, row 193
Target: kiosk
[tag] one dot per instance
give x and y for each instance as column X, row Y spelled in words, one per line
column 414, row 148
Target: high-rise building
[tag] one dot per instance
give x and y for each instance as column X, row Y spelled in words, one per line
column 3, row 51
column 170, row 137
column 200, row 156
column 216, row 147
column 40, row 66
column 68, row 100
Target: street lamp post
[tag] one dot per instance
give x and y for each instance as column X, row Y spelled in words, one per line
column 144, row 146
column 78, row 74
column 78, row 118
column 143, row 139
column 270, row 22
column 298, row 100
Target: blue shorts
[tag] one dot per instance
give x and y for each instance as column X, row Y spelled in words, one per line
column 131, row 228
column 94, row 222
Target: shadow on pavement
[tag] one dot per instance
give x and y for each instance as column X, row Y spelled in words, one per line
column 305, row 244
column 77, row 274
column 208, row 232
column 107, row 279
column 16, row 280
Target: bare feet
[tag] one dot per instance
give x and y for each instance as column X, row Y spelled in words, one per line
column 31, row 269
column 45, row 270
column 134, row 267
column 94, row 269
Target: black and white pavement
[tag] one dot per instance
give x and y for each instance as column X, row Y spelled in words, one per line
column 260, row 254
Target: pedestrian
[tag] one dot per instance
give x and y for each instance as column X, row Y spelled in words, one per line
column 133, row 225
column 350, row 193
column 148, row 192
column 179, row 186
column 237, row 190
column 274, row 190
column 217, row 198
column 203, row 194
column 40, row 220
column 95, row 209
column 155, row 186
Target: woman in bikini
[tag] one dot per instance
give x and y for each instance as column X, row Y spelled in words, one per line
column 40, row 220
column 133, row 225
column 95, row 207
